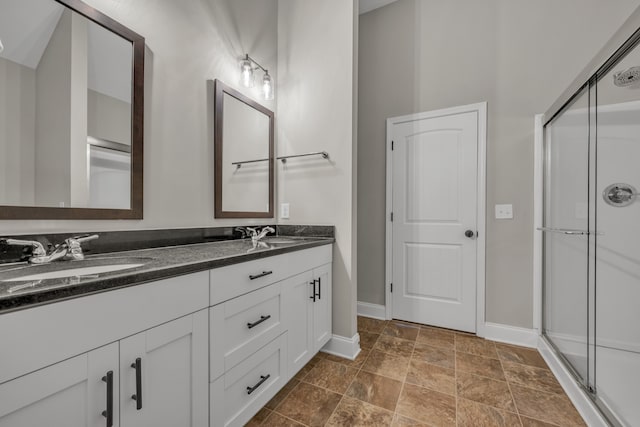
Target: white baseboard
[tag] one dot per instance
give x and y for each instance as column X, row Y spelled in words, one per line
column 348, row 348
column 510, row 334
column 376, row 311
column 580, row 400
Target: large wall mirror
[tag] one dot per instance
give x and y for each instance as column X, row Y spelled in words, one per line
column 244, row 156
column 71, row 113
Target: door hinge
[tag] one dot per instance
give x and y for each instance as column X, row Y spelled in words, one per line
column 391, row 287
column 391, row 216
column 391, row 145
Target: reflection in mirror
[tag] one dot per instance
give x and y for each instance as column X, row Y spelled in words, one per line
column 244, row 156
column 67, row 108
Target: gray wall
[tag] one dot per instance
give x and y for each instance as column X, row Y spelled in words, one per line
column 17, row 133
column 419, row 55
column 316, row 113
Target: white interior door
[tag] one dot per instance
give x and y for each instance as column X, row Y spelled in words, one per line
column 435, row 218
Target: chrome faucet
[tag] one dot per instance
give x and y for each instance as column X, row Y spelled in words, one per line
column 255, row 236
column 70, row 249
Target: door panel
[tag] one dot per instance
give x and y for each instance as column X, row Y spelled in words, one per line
column 173, row 360
column 70, row 393
column 322, row 307
column 566, row 208
column 298, row 319
column 435, row 182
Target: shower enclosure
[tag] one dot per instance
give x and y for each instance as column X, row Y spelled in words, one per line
column 591, row 229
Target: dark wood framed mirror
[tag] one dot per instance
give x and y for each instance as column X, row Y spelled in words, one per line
column 244, row 155
column 73, row 141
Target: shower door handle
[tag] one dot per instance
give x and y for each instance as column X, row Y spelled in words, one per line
column 566, row 231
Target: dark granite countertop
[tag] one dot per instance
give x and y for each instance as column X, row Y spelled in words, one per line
column 158, row 263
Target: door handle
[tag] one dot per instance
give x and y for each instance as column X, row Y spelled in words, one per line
column 470, row 234
column 108, row 413
column 319, row 294
column 137, row 365
column 313, row 293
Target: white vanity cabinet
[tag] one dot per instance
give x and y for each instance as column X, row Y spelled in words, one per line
column 76, row 382
column 268, row 318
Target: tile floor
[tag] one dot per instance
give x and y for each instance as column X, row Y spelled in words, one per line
column 413, row 375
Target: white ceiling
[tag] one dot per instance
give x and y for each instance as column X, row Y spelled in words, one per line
column 26, row 27
column 369, row 5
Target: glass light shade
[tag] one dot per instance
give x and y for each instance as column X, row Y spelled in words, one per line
column 267, row 87
column 246, row 73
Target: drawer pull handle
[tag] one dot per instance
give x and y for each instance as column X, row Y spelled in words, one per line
column 313, row 293
column 263, row 378
column 108, row 413
column 257, row 276
column 319, row 294
column 257, row 322
column 138, row 396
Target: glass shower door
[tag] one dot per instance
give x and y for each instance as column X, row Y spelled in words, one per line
column 617, row 258
column 565, row 235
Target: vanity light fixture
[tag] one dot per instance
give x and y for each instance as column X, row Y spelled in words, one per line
column 247, row 79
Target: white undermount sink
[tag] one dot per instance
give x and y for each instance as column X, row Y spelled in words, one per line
column 73, row 272
column 63, row 269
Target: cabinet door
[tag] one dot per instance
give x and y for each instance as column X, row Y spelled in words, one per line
column 71, row 393
column 165, row 368
column 298, row 319
column 322, row 307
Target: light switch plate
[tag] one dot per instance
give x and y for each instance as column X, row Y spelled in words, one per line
column 504, row 211
column 284, row 210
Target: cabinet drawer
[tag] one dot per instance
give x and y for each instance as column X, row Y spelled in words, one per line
column 239, row 327
column 238, row 279
column 237, row 395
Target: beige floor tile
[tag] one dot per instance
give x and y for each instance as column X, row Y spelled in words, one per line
column 400, row 421
column 371, row 325
column 530, row 422
column 402, row 330
column 484, row 390
column 353, row 412
column 368, row 339
column 331, row 375
column 308, row 404
column 432, row 376
column 473, row 414
column 375, row 389
column 434, row 355
column 474, row 345
column 284, row 391
column 393, row 345
column 426, row 405
column 436, row 337
column 387, row 365
column 530, row 376
column 357, row 363
column 277, row 420
column 479, row 365
column 259, row 418
column 548, row 407
column 527, row 356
